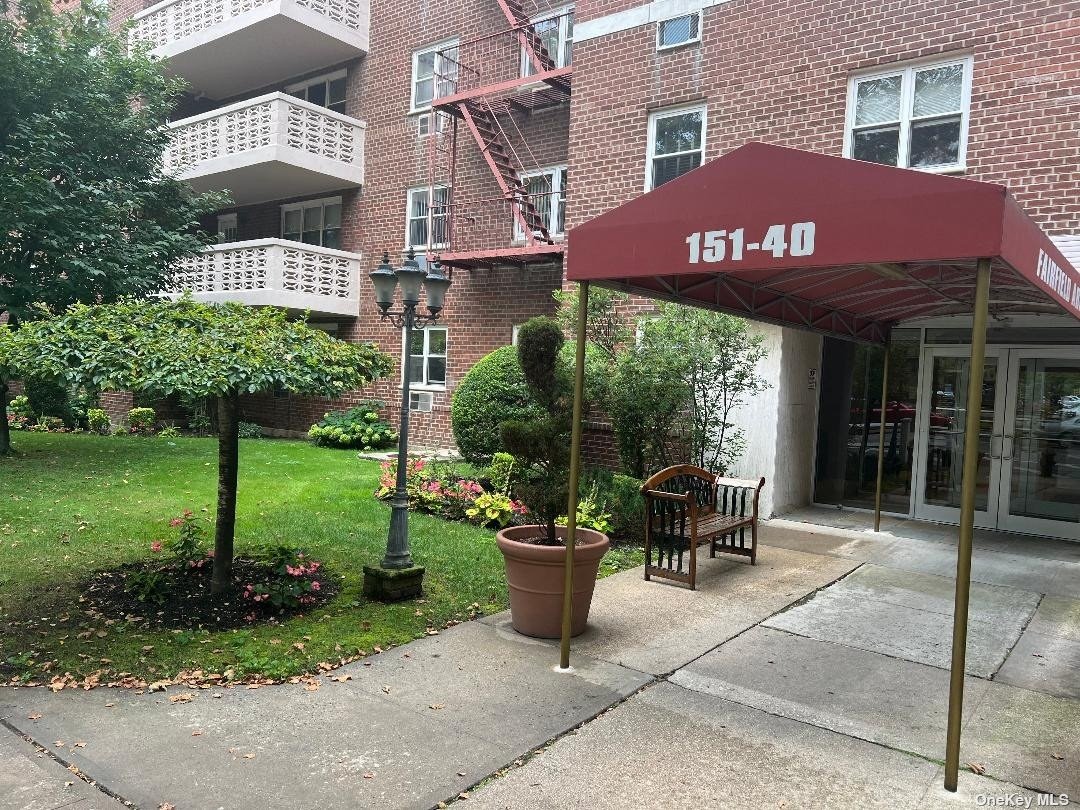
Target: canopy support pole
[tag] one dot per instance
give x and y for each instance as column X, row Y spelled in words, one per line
column 972, row 418
column 881, row 437
column 575, row 474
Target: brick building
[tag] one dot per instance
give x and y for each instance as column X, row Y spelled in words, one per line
column 481, row 130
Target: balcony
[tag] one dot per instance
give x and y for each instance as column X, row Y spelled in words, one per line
column 226, row 47
column 273, row 272
column 267, row 148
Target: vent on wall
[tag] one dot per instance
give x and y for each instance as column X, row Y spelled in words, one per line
column 420, row 401
column 1070, row 246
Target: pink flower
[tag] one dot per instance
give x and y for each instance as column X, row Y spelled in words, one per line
column 156, row 546
column 315, row 586
column 176, row 522
column 210, row 554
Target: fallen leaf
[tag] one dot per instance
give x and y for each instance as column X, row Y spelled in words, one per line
column 437, row 706
column 1058, row 757
column 80, row 745
column 249, row 756
column 183, row 697
column 313, row 686
column 59, row 743
column 196, row 733
column 977, row 767
column 341, row 678
column 167, row 806
column 386, row 689
column 34, row 716
column 461, row 773
column 369, row 775
column 148, row 648
column 298, row 645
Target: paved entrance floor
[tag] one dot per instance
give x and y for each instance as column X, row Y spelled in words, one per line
column 814, row 679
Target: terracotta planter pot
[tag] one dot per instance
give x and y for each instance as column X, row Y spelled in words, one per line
column 535, row 575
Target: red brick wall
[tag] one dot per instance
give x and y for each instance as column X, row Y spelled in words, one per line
column 778, row 72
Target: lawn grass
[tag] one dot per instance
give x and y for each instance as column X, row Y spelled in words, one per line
column 71, row 505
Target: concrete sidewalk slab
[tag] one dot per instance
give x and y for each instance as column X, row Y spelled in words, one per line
column 897, row 703
column 680, row 625
column 668, row 747
column 909, row 615
column 1026, row 738
column 1049, row 664
column 31, row 780
column 456, row 707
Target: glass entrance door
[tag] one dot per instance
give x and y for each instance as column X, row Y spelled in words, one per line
column 1040, row 449
column 942, row 418
column 1029, row 439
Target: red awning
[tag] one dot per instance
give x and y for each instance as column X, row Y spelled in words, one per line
column 824, row 243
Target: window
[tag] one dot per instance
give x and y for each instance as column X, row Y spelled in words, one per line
column 314, row 222
column 226, row 228
column 433, row 122
column 427, row 218
column 914, row 117
column 326, row 91
column 420, row 401
column 436, row 65
column 556, row 35
column 427, row 357
column 676, row 144
column 678, row 31
column 547, row 192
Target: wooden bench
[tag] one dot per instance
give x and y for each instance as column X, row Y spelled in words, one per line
column 685, row 507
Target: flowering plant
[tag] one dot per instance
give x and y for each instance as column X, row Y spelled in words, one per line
column 293, row 581
column 186, row 547
column 436, row 489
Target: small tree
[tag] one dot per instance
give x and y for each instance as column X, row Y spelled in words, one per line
column 607, row 328
column 218, row 351
column 87, row 213
column 542, row 444
column 714, row 357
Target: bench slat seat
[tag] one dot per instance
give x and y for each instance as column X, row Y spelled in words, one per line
column 686, row 506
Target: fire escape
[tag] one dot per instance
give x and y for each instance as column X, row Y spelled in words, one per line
column 483, row 88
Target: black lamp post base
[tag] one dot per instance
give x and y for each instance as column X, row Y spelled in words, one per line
column 393, row 584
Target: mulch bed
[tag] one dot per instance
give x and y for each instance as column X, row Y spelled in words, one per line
column 189, row 605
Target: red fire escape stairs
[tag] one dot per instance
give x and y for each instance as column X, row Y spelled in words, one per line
column 477, row 104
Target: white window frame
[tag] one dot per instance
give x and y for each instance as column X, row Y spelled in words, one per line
column 324, row 79
column 424, row 123
column 557, row 192
column 668, row 112
column 559, row 58
column 907, row 71
column 409, row 218
column 659, row 23
column 439, row 46
column 225, row 223
column 425, row 385
column 322, row 202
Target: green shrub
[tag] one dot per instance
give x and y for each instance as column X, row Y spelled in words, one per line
column 493, row 391
column 98, row 421
column 121, row 430
column 141, row 420
column 48, row 424
column 591, row 511
column 48, row 396
column 622, row 496
column 148, row 586
column 20, row 406
column 358, row 427
column 249, row 430
column 170, row 432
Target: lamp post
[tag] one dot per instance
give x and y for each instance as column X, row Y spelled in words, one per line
column 397, row 577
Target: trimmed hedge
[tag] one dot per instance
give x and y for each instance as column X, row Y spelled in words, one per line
column 492, row 392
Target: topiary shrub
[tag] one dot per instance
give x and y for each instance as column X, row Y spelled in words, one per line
column 492, row 392
column 48, row 396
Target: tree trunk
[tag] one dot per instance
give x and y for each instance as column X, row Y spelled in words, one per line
column 228, row 462
column 5, row 431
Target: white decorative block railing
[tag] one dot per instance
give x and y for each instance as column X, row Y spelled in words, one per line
column 273, row 120
column 172, row 20
column 274, row 272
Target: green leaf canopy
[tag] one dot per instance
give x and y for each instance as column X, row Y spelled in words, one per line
column 202, row 350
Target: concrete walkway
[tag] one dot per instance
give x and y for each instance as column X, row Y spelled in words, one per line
column 815, row 679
